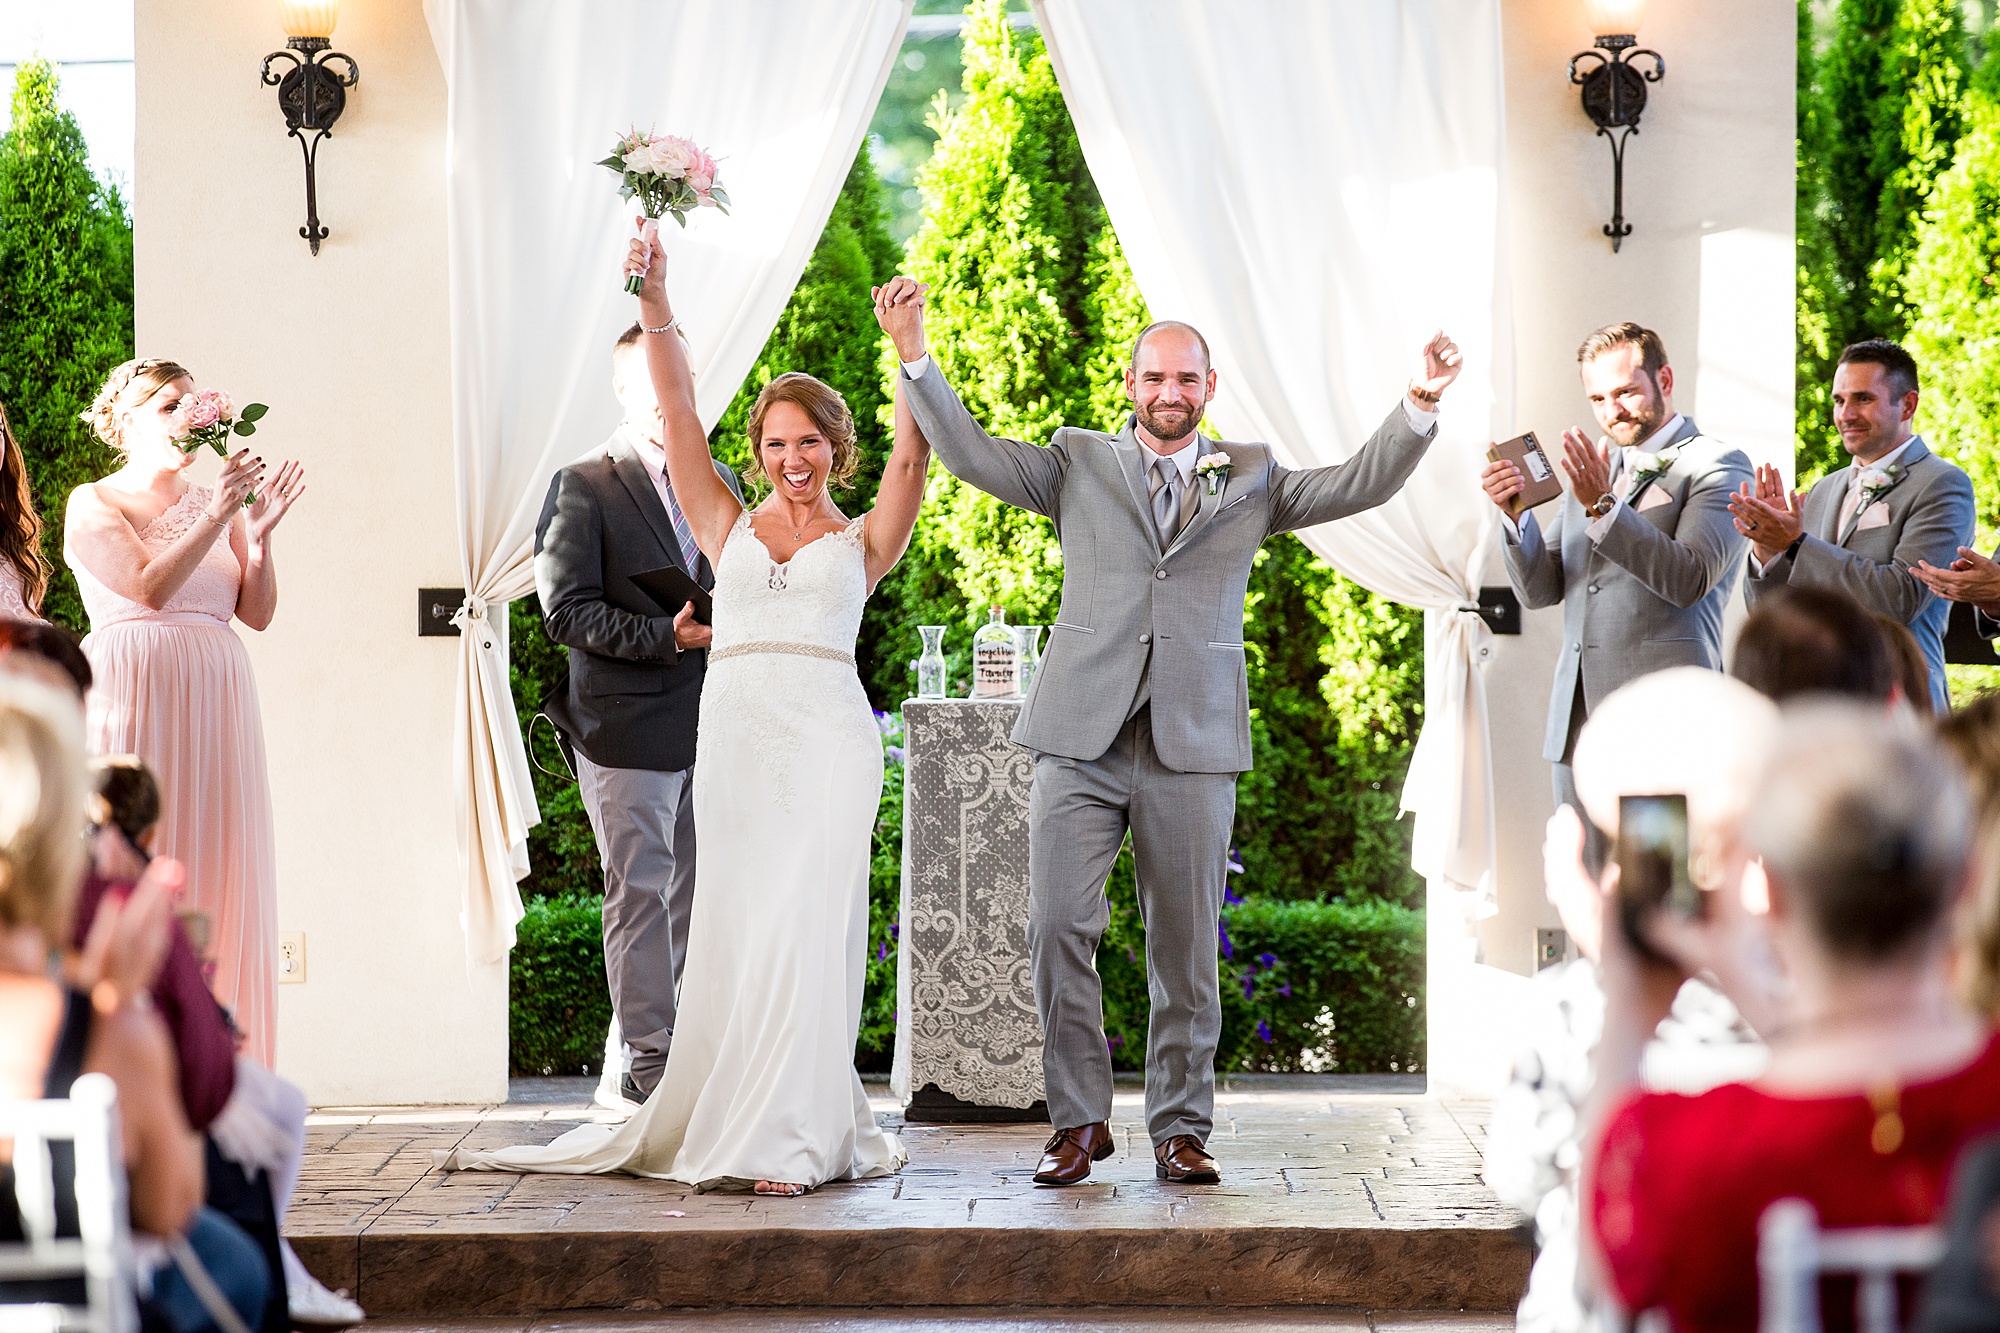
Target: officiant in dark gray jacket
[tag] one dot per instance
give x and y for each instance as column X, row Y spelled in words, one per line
column 628, row 709
column 1139, row 715
column 1641, row 550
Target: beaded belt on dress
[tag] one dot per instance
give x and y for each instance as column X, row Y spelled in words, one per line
column 771, row 646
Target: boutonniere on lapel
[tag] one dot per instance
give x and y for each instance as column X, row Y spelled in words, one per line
column 1649, row 468
column 1212, row 468
column 1878, row 482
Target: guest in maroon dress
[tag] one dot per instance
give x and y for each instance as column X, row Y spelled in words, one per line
column 1878, row 1076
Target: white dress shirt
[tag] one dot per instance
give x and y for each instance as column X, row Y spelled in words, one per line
column 1421, row 419
column 653, row 455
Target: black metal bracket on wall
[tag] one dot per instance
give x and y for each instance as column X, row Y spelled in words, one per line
column 1500, row 609
column 435, row 608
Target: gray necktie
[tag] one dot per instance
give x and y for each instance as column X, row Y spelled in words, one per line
column 1166, row 498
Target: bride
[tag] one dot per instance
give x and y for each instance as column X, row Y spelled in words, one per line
column 759, row 1087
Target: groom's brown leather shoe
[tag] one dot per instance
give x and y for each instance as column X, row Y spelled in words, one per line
column 1067, row 1156
column 1181, row 1160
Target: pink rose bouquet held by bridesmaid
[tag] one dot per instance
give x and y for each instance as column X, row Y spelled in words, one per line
column 208, row 417
column 666, row 174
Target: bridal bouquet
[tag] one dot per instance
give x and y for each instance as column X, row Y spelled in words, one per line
column 208, row 417
column 666, row 174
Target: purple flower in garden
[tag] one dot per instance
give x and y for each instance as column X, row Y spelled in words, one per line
column 1130, row 957
column 1222, row 933
column 1230, row 895
column 1235, row 862
column 1249, row 985
column 887, row 723
column 1263, row 1031
column 894, row 929
column 1267, row 960
column 894, row 754
column 1113, row 1043
column 883, row 952
column 1286, row 990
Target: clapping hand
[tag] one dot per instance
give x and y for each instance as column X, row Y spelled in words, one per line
column 1972, row 578
column 1588, row 468
column 238, row 478
column 1439, row 364
column 1770, row 516
column 899, row 309
column 274, row 501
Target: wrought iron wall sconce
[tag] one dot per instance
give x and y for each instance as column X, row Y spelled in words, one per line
column 1614, row 90
column 312, row 94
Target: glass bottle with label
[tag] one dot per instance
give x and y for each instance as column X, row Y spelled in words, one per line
column 1028, row 645
column 995, row 660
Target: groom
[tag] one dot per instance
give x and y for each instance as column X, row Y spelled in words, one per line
column 1139, row 716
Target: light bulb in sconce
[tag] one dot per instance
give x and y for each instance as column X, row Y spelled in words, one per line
column 308, row 18
column 1615, row 18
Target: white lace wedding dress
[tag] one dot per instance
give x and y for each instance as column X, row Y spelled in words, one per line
column 760, row 1081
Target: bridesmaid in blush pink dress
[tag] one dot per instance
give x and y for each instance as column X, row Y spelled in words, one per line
column 24, row 570
column 164, row 566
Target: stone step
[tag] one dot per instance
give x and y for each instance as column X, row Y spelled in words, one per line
column 1370, row 1201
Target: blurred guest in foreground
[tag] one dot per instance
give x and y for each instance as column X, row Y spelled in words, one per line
column 1878, row 1074
column 1715, row 749
column 102, row 1022
column 1913, row 673
column 1815, row 641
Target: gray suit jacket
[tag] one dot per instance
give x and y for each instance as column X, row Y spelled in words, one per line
column 1647, row 597
column 1930, row 516
column 1130, row 609
column 631, row 696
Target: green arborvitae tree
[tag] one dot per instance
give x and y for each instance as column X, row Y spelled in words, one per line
column 1930, row 58
column 65, row 305
column 1879, row 115
column 1011, row 222
column 1818, row 276
column 1953, row 286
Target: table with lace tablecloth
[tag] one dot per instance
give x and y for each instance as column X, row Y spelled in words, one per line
column 968, row 1042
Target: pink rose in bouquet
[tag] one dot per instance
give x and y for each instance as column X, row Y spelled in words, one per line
column 667, row 174
column 209, row 417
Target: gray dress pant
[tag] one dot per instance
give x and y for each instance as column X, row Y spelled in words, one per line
column 644, row 821
column 1180, row 824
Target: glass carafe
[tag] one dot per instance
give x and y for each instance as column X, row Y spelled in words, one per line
column 1028, row 651
column 994, row 660
column 930, row 666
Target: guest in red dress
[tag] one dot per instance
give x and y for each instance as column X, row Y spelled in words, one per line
column 1879, row 1075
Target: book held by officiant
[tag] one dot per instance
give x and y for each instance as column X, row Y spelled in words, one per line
column 1538, row 475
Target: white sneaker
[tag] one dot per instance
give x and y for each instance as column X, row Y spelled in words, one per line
column 314, row 1307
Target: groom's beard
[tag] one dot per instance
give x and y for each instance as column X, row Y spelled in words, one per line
column 1172, row 424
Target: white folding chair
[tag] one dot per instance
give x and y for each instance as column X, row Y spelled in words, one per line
column 1792, row 1253
column 102, row 1254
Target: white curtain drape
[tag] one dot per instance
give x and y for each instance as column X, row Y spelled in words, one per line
column 1317, row 187
column 539, row 90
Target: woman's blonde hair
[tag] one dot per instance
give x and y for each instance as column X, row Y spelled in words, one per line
column 44, row 787
column 126, row 388
column 830, row 415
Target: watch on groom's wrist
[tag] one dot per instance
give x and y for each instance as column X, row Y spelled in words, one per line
column 1601, row 506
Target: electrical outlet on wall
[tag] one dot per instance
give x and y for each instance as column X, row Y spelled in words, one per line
column 291, row 957
column 1551, row 947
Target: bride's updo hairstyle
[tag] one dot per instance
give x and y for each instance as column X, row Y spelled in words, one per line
column 829, row 412
column 127, row 389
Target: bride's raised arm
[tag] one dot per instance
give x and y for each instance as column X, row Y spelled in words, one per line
column 710, row 506
column 901, row 495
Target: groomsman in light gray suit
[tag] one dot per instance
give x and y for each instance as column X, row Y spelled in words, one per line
column 1138, row 717
column 1876, row 528
column 1641, row 551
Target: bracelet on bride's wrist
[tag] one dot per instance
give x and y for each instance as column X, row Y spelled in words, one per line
column 667, row 327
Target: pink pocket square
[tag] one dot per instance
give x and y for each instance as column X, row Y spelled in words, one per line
column 1874, row 516
column 1654, row 497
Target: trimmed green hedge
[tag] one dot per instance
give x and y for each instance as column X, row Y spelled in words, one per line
column 558, row 1006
